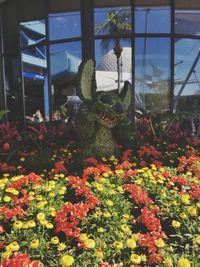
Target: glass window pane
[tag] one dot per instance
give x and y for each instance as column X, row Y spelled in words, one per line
column 10, row 26
column 152, row 17
column 64, row 59
column 35, row 83
column 187, row 75
column 13, row 88
column 64, row 25
column 32, row 10
column 152, row 73
column 187, row 17
column 63, row 5
column 108, row 72
column 32, row 32
column 112, row 20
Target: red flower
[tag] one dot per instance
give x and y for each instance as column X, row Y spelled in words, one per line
column 6, row 147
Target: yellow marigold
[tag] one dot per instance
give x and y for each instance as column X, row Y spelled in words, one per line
column 160, row 243
column 7, row 199
column 34, row 243
column 135, row 258
column 31, row 224
column 66, row 261
column 17, row 225
column 118, row 245
column 54, row 240
column 40, row 216
column 89, row 243
column 100, row 230
column 106, row 214
column 125, row 228
column 183, row 262
column 131, row 243
column 192, row 211
column 83, row 237
column 49, row 225
column 185, row 199
column 61, row 246
column 183, row 216
column 109, row 203
column 197, row 239
column 168, row 262
column 14, row 246
column 176, row 224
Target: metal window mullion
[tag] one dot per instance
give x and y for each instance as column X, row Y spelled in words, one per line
column 48, row 60
column 133, row 106
column 172, row 49
column 21, row 65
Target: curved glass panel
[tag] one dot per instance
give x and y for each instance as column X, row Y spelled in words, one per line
column 153, row 17
column 152, row 73
column 34, row 62
column 64, row 25
column 187, row 75
column 112, row 20
column 187, row 17
column 108, row 70
column 65, row 59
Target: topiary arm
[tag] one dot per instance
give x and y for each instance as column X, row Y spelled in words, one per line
column 126, row 94
column 86, row 82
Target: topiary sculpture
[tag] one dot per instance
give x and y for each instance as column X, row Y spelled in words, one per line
column 99, row 113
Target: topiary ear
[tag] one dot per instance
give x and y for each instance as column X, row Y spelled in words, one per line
column 86, row 81
column 126, row 94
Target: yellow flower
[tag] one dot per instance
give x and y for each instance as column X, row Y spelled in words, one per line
column 125, row 228
column 118, row 245
column 17, row 225
column 135, row 258
column 61, row 247
column 99, row 253
column 131, row 243
column 40, row 216
column 49, row 225
column 160, row 243
column 106, row 214
column 52, row 194
column 25, row 225
column 183, row 262
column 100, row 230
column 89, row 243
column 66, row 261
column 14, row 246
column 31, row 224
column 34, row 243
column 168, row 262
column 176, row 224
column 183, row 216
column 109, row 203
column 185, row 199
column 55, row 240
column 6, row 254
column 192, row 211
column 83, row 237
column 7, row 198
column 43, row 222
column 197, row 239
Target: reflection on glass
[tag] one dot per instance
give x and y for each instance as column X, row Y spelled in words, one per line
column 65, row 59
column 112, row 20
column 187, row 18
column 107, row 72
column 152, row 73
column 13, row 88
column 32, row 32
column 35, row 83
column 64, row 25
column 187, row 75
column 152, row 18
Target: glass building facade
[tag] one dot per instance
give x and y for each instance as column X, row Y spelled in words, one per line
column 44, row 41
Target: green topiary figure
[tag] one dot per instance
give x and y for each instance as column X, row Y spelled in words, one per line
column 99, row 113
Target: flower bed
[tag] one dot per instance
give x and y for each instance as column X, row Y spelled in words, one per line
column 134, row 210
